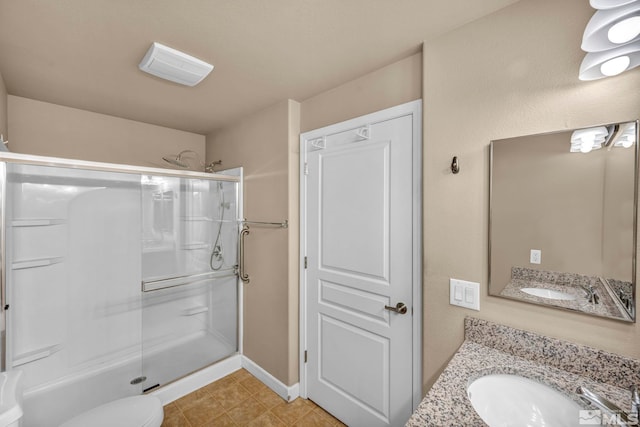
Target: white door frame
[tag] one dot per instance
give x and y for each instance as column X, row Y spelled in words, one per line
column 413, row 108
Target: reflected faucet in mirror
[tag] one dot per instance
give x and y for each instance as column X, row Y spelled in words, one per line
column 571, row 195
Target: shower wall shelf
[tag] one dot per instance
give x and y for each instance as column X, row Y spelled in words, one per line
column 197, row 218
column 37, row 222
column 192, row 311
column 195, row 246
column 170, row 282
column 34, row 355
column 35, row 263
column 149, row 248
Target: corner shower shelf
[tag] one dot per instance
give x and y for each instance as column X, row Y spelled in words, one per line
column 197, row 218
column 32, row 356
column 37, row 222
column 34, row 263
column 207, row 219
column 194, row 246
column 191, row 311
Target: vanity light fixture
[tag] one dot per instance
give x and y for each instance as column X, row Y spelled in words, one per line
column 626, row 138
column 586, row 140
column 173, row 65
column 611, row 39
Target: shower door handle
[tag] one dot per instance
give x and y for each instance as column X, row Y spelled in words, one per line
column 241, row 273
column 400, row 308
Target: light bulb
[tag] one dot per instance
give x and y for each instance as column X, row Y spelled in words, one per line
column 625, row 30
column 627, row 143
column 586, row 146
column 615, row 66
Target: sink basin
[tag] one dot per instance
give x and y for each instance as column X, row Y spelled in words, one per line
column 548, row 293
column 512, row 400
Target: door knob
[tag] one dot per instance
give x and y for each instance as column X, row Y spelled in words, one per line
column 400, row 308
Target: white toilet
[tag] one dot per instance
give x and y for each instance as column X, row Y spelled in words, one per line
column 135, row 411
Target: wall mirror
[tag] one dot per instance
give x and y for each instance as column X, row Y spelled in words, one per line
column 563, row 210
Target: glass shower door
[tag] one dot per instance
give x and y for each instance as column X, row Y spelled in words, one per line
column 189, row 251
column 72, row 267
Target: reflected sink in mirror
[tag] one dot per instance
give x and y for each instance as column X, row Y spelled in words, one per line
column 549, row 294
column 565, row 218
column 512, row 400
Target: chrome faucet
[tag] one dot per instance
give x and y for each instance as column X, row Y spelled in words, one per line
column 624, row 418
column 591, row 294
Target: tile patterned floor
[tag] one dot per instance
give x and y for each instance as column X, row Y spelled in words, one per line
column 239, row 399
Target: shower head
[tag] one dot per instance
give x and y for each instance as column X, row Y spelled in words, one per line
column 179, row 162
column 175, row 161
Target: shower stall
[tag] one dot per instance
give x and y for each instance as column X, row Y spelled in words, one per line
column 116, row 279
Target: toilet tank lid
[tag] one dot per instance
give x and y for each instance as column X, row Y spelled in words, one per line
column 10, row 410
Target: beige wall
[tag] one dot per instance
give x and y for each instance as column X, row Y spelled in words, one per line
column 392, row 85
column 3, row 110
column 617, row 230
column 265, row 145
column 512, row 73
column 52, row 130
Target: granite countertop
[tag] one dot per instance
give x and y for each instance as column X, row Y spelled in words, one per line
column 497, row 349
column 568, row 283
column 606, row 307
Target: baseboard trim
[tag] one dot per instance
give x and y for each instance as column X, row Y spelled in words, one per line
column 203, row 377
column 288, row 393
column 199, row 379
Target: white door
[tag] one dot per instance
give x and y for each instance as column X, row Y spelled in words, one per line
column 361, row 239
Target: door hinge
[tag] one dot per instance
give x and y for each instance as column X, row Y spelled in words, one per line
column 305, row 356
column 305, row 262
column 306, row 168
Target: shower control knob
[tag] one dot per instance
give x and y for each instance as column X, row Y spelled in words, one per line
column 400, row 308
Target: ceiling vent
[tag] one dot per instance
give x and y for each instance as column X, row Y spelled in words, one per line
column 173, row 65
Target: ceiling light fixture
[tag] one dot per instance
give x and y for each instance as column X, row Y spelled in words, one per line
column 609, row 4
column 609, row 28
column 612, row 62
column 173, row 65
column 611, row 39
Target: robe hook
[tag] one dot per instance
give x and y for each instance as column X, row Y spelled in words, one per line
column 455, row 167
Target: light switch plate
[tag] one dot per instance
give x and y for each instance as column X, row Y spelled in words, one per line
column 464, row 294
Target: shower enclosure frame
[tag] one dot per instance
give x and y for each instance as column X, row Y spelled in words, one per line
column 34, row 160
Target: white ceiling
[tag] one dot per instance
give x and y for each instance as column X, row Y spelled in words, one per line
column 85, row 53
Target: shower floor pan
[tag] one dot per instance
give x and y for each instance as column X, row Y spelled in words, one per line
column 54, row 402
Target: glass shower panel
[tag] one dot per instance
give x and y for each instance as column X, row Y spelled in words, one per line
column 72, row 278
column 189, row 257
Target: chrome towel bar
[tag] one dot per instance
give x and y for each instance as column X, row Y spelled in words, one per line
column 244, row 276
column 284, row 224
